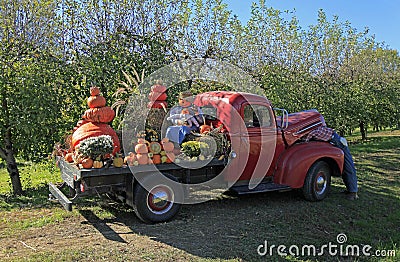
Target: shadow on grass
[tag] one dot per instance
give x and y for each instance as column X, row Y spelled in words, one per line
column 234, row 227
column 32, row 198
column 102, row 226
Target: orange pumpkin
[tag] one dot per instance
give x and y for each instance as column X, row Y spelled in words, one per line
column 141, row 140
column 171, row 157
column 155, row 96
column 94, row 91
column 143, row 159
column 69, row 157
column 96, row 101
column 205, row 129
column 158, row 88
column 100, row 115
column 167, row 145
column 157, row 104
column 141, row 149
column 80, row 123
column 87, row 163
column 156, row 159
column 93, row 130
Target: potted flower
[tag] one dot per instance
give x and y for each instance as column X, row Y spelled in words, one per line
column 96, row 147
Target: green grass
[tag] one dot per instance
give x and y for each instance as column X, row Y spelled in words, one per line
column 228, row 228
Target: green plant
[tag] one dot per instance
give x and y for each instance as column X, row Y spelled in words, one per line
column 96, row 146
column 194, row 148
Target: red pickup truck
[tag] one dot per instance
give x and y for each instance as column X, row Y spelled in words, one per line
column 267, row 154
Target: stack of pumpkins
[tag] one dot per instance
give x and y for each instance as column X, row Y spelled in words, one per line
column 95, row 121
column 157, row 105
column 151, row 153
column 158, row 96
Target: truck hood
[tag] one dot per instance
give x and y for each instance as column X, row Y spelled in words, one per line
column 302, row 123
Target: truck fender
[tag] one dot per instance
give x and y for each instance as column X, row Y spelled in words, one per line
column 294, row 163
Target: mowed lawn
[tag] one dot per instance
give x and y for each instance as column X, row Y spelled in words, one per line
column 228, row 228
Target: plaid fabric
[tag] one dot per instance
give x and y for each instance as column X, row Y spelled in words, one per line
column 322, row 133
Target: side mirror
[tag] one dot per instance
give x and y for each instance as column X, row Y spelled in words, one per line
column 284, row 117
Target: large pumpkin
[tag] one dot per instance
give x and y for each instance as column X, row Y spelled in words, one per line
column 80, row 123
column 96, row 101
column 92, row 130
column 101, row 115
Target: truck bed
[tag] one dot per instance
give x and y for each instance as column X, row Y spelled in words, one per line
column 83, row 182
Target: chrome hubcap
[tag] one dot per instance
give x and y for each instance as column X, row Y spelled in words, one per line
column 320, row 184
column 160, row 199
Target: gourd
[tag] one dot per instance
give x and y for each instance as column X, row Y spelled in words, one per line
column 130, row 159
column 155, row 147
column 96, row 101
column 118, row 161
column 87, row 163
column 101, row 114
column 98, row 163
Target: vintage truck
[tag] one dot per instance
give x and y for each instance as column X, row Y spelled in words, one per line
column 267, row 154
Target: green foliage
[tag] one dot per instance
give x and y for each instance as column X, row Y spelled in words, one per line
column 94, row 147
column 195, row 148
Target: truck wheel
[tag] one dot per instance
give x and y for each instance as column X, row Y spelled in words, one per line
column 318, row 182
column 159, row 203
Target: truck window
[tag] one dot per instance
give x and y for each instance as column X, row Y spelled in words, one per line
column 257, row 116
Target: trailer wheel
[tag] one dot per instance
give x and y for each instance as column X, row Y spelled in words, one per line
column 318, row 182
column 159, row 203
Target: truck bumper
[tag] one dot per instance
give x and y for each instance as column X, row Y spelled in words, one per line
column 58, row 195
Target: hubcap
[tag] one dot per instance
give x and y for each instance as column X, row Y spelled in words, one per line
column 320, row 183
column 160, row 199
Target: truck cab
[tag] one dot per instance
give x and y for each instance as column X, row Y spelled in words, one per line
column 267, row 142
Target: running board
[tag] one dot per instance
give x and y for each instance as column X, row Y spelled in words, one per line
column 57, row 194
column 263, row 187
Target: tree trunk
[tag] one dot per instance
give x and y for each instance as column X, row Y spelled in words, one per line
column 8, row 155
column 363, row 130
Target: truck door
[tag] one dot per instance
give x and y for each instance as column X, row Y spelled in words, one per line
column 259, row 138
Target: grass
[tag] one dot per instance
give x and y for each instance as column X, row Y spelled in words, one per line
column 228, row 228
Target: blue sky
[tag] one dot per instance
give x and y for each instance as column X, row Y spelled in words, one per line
column 382, row 17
